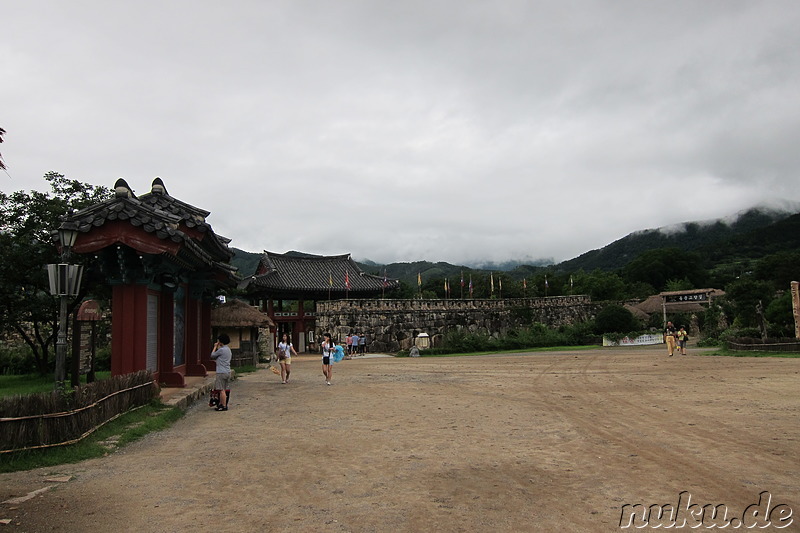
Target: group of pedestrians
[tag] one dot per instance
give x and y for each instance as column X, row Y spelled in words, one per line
column 286, row 350
column 356, row 344
column 221, row 354
column 676, row 339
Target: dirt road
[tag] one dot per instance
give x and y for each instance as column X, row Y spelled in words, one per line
column 536, row 442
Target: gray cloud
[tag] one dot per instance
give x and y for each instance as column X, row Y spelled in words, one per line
column 445, row 130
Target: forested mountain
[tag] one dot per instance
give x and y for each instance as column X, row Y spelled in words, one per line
column 690, row 236
column 750, row 235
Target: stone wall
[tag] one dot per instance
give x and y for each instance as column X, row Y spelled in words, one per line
column 392, row 325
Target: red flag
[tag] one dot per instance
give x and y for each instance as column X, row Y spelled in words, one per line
column 347, row 280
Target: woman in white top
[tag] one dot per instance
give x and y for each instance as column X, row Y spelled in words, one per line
column 285, row 351
column 328, row 347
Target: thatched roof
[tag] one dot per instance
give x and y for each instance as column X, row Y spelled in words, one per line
column 638, row 313
column 239, row 314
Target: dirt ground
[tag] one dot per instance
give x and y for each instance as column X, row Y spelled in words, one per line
column 530, row 442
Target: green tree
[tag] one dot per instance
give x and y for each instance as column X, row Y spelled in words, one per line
column 27, row 220
column 657, row 267
column 780, row 317
column 780, row 269
column 600, row 285
column 745, row 295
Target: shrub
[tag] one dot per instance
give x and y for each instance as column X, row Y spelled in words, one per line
column 536, row 336
column 16, row 360
column 615, row 318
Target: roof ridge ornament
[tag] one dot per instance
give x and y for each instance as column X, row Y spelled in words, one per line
column 122, row 189
column 158, row 187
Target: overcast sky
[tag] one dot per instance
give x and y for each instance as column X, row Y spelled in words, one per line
column 451, row 130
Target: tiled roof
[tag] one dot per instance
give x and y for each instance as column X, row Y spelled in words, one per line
column 165, row 217
column 314, row 275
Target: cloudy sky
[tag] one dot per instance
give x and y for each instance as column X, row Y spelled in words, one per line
column 450, row 130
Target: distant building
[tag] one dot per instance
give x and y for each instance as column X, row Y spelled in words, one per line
column 288, row 285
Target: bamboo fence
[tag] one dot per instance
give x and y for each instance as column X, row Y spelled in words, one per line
column 53, row 419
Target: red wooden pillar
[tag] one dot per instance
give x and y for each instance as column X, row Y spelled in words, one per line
column 129, row 332
column 166, row 343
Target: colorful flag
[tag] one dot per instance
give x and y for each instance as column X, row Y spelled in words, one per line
column 445, row 286
column 491, row 280
column 570, row 283
column 462, row 279
column 500, row 281
column 347, row 279
column 330, row 279
column 385, row 281
column 470, row 285
column 545, row 281
column 524, row 283
column 419, row 279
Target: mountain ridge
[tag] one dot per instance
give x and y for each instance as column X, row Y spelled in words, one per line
column 753, row 232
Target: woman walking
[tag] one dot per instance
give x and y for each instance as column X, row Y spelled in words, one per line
column 328, row 347
column 285, row 351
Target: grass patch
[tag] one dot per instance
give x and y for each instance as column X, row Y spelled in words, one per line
column 245, row 369
column 725, row 352
column 128, row 428
column 423, row 353
column 34, row 383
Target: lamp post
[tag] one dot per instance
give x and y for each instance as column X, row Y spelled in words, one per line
column 65, row 281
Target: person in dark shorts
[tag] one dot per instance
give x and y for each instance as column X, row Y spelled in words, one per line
column 328, row 347
column 682, row 337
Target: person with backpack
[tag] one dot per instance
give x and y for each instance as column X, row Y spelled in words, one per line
column 669, row 338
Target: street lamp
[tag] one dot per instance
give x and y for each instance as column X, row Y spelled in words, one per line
column 65, row 282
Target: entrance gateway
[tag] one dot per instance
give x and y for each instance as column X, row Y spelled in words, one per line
column 164, row 264
column 287, row 287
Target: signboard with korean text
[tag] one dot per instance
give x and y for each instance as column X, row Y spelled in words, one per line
column 85, row 331
column 681, row 298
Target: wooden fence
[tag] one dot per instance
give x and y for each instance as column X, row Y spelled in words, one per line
column 52, row 419
column 769, row 345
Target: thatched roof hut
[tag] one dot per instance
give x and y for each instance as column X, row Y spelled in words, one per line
column 239, row 314
column 242, row 322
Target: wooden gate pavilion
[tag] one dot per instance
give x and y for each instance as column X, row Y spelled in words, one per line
column 165, row 265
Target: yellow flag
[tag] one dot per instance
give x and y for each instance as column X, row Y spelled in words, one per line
column 419, row 279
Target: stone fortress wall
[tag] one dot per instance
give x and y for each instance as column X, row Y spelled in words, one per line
column 392, row 325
